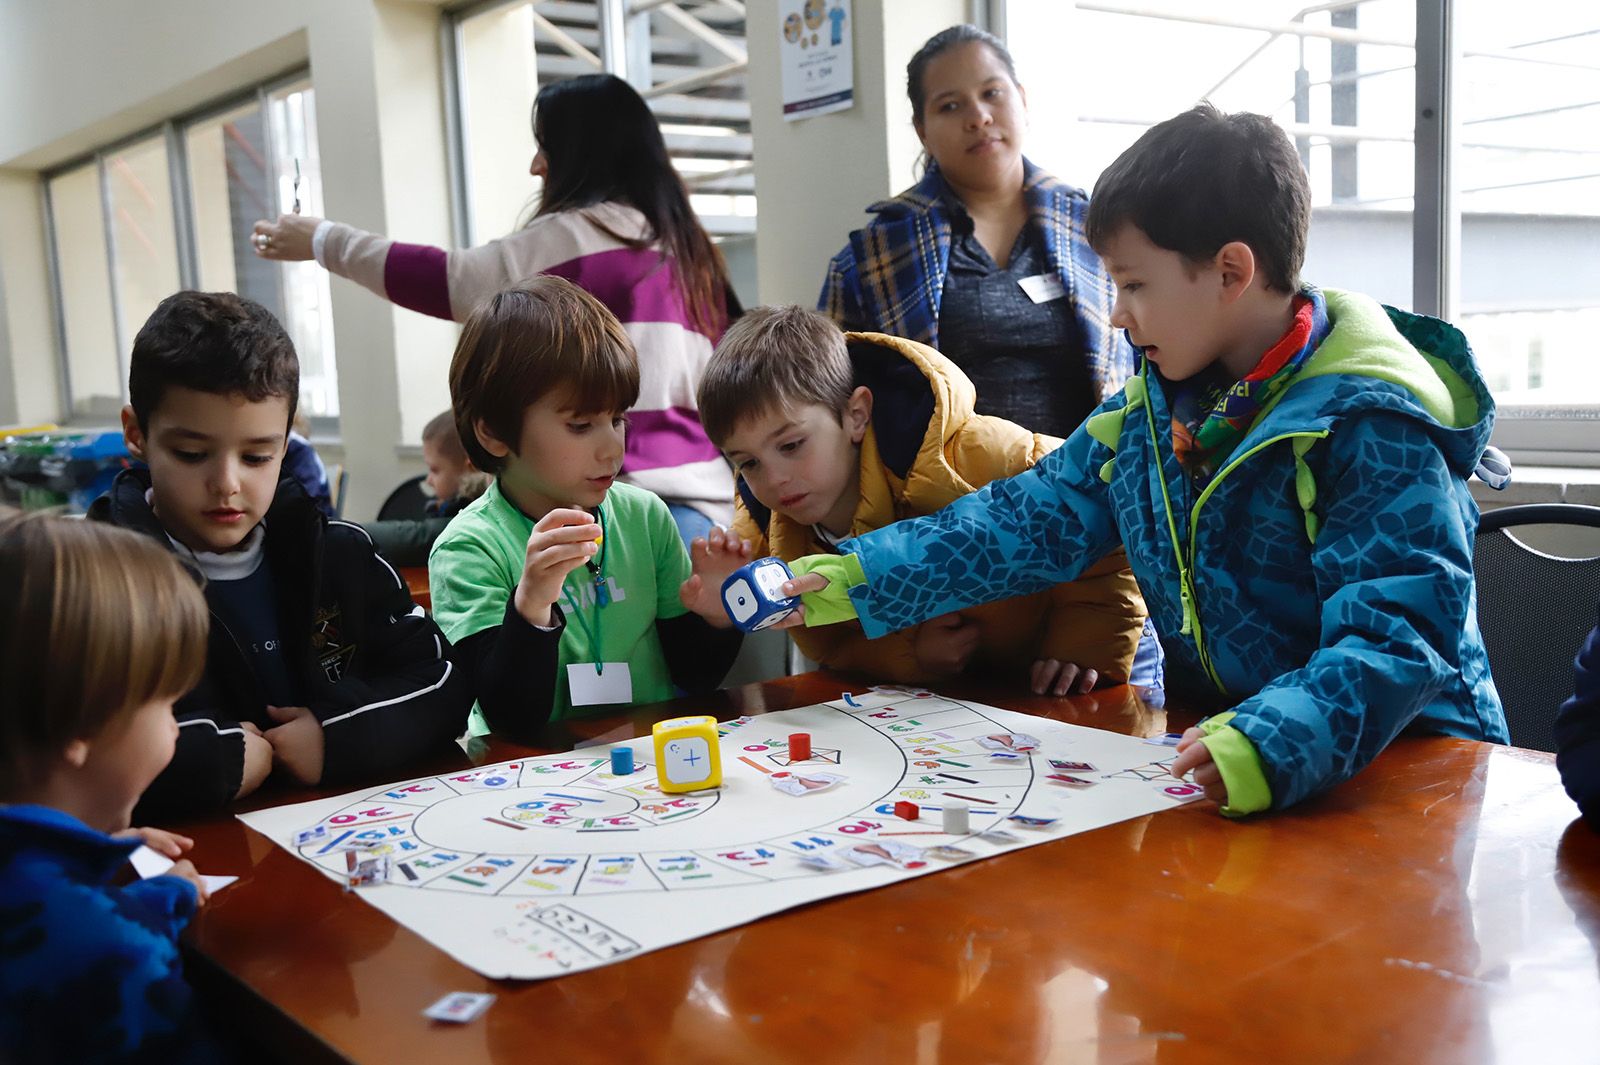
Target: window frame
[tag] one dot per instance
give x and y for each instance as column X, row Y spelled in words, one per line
column 1533, row 435
column 172, row 131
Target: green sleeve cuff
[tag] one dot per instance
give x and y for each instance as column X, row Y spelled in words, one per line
column 831, row 605
column 1240, row 766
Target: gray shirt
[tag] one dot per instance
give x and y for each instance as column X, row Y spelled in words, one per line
column 1025, row 358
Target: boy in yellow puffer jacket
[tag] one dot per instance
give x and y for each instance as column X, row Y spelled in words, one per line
column 833, row 434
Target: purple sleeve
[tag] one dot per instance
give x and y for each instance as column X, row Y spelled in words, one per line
column 416, row 277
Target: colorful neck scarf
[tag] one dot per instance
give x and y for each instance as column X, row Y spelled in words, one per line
column 1210, row 414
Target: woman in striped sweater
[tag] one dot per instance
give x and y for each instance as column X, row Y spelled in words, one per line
column 613, row 218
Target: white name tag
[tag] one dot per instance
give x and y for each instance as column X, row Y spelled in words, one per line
column 613, row 684
column 1042, row 288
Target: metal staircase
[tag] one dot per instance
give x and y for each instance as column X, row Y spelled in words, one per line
column 688, row 60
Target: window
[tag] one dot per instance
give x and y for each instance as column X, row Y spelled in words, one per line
column 1529, row 176
column 1337, row 78
column 144, row 243
column 1523, row 158
column 688, row 62
column 172, row 208
column 92, row 356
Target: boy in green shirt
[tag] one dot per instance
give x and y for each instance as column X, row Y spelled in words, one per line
column 561, row 589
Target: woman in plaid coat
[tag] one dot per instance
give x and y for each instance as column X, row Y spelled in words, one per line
column 985, row 259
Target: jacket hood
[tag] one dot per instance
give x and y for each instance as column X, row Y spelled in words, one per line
column 922, row 416
column 1379, row 358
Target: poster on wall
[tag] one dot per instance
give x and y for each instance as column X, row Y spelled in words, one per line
column 818, row 65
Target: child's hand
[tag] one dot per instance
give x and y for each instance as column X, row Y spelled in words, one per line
column 714, row 557
column 158, row 839
column 185, row 870
column 561, row 541
column 1052, row 677
column 297, row 743
column 1192, row 754
column 943, row 645
column 802, row 585
column 257, row 760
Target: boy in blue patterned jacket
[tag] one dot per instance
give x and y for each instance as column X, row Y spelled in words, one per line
column 1287, row 473
column 101, row 630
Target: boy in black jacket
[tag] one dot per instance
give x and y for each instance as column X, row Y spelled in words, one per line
column 319, row 665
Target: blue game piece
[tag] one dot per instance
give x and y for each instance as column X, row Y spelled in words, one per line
column 753, row 595
column 621, row 761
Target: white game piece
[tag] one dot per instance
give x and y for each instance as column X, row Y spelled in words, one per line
column 459, row 1007
column 956, row 820
column 315, row 832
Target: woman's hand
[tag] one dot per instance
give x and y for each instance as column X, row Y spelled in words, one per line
column 286, row 240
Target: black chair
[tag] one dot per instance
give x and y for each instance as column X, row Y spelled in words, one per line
column 1535, row 610
column 408, row 502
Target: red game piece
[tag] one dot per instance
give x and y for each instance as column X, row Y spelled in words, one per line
column 799, row 746
column 906, row 811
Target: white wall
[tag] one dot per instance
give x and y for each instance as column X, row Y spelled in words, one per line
column 91, row 72
column 816, row 176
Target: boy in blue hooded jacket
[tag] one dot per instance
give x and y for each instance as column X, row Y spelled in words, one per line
column 1287, row 473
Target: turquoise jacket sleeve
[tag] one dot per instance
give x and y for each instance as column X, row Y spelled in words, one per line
column 1013, row 537
column 1393, row 569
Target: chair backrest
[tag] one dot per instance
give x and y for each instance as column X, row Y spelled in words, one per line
column 408, row 502
column 1535, row 610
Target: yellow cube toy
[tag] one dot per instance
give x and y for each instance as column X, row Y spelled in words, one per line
column 688, row 754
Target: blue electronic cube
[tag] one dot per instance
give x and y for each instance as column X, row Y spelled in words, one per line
column 752, row 595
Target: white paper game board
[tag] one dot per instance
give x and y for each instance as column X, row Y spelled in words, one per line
column 550, row 865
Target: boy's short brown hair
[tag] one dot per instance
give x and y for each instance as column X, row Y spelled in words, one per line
column 96, row 622
column 518, row 346
column 1204, row 179
column 774, row 358
column 215, row 342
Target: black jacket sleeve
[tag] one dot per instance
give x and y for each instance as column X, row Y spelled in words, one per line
column 402, row 696
column 406, row 543
column 1578, row 733
column 698, row 653
column 513, row 669
column 204, row 774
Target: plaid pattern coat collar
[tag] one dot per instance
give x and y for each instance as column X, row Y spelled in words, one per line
column 890, row 277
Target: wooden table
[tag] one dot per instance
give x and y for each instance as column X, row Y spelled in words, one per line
column 1442, row 907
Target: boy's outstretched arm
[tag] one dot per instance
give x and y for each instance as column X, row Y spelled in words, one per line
column 1393, row 567
column 1013, row 537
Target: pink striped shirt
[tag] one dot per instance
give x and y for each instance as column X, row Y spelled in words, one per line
column 668, row 451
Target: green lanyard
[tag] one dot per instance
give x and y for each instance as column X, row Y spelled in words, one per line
column 602, row 597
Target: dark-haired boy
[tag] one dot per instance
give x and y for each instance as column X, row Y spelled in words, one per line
column 319, row 664
column 1287, row 473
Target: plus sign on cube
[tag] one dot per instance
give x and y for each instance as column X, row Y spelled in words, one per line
column 688, row 754
column 753, row 595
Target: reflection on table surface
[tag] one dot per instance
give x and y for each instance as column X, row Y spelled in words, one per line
column 1444, row 906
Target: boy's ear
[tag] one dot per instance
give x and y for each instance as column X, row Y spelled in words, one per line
column 1236, row 267
column 132, row 435
column 858, row 413
column 76, row 753
column 489, row 441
